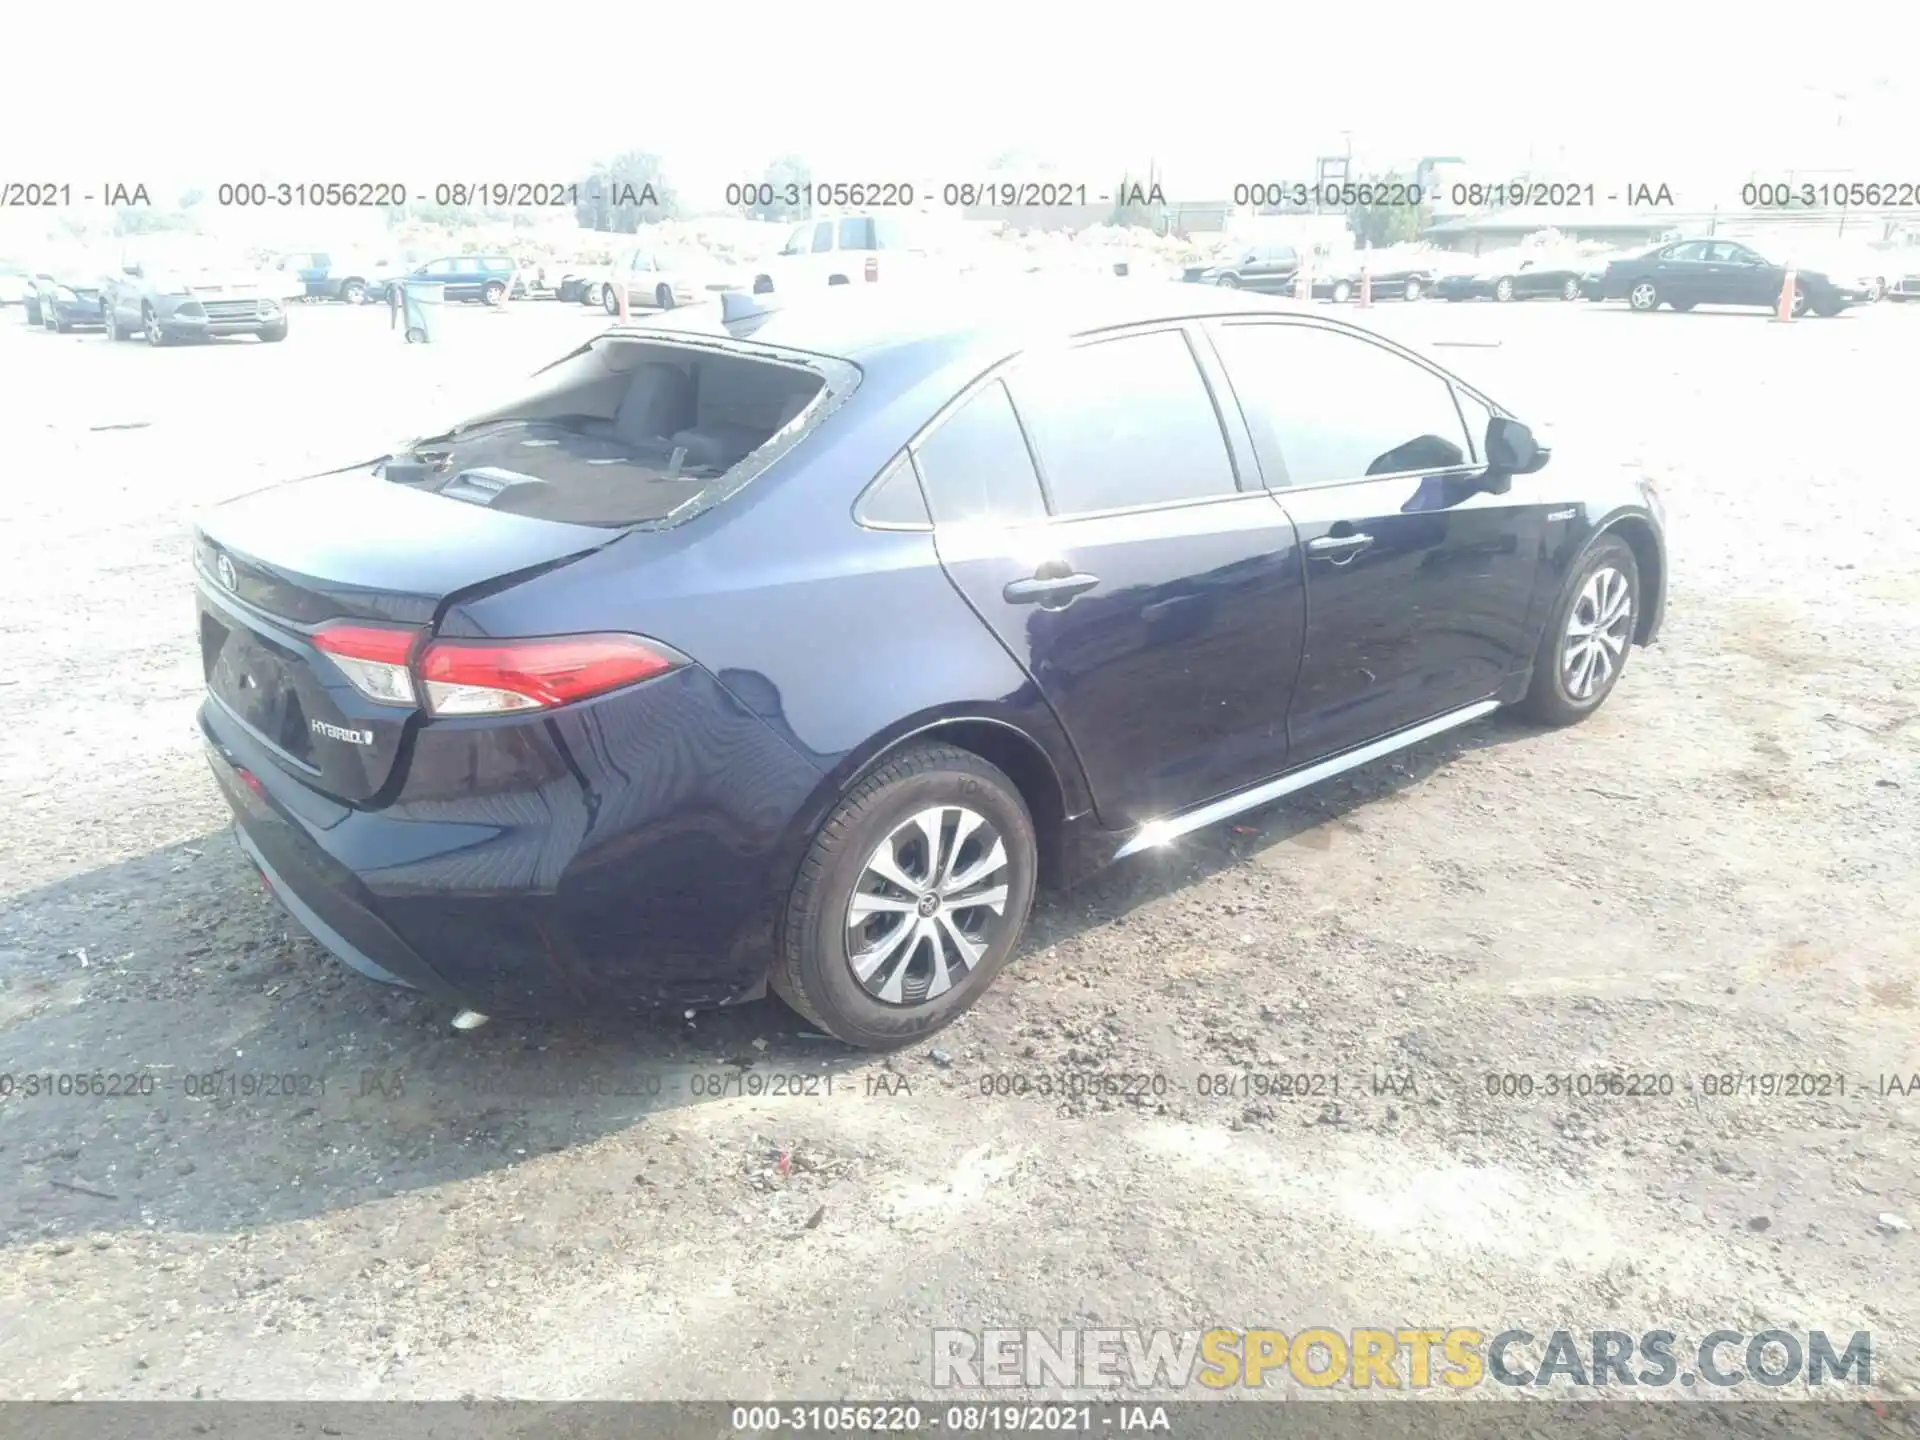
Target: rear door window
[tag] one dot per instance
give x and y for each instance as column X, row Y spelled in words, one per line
column 975, row 465
column 1123, row 423
column 856, row 233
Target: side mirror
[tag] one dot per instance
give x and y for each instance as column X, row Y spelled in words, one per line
column 133, row 270
column 1511, row 450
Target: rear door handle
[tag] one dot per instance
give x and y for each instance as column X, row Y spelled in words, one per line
column 1049, row 592
column 1338, row 548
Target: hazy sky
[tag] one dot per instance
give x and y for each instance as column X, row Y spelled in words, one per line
column 925, row 93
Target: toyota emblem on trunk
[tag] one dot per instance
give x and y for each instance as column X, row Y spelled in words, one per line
column 224, row 568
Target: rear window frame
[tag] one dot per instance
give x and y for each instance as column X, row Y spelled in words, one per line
column 839, row 379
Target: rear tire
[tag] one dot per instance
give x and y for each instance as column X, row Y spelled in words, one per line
column 274, row 334
column 1595, row 615
column 814, row 969
column 1644, row 296
column 1503, row 289
column 1412, row 292
column 1570, row 290
column 1683, row 305
column 1228, row 282
column 1342, row 292
column 663, row 296
column 354, row 292
column 610, row 299
column 493, row 292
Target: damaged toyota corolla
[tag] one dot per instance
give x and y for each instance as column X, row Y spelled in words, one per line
column 797, row 651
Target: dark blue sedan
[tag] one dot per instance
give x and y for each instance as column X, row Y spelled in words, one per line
column 798, row 651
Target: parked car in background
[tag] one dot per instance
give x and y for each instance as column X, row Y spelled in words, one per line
column 170, row 302
column 1267, row 268
column 67, row 297
column 1720, row 272
column 1859, row 268
column 842, row 250
column 324, row 275
column 489, row 278
column 15, row 282
column 656, row 280
column 602, row 733
column 1516, row 276
column 1392, row 274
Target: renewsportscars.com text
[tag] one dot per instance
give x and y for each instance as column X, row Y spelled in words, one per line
column 1455, row 1357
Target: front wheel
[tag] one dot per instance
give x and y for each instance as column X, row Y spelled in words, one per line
column 1228, row 282
column 494, row 292
column 1585, row 645
column 1570, row 290
column 1342, row 292
column 1412, row 291
column 910, row 899
column 610, row 298
column 274, row 333
column 1503, row 290
column 663, row 296
column 155, row 332
column 354, row 292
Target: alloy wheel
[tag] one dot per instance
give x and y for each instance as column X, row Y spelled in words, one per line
column 929, row 905
column 1570, row 290
column 1643, row 296
column 1598, row 629
column 155, row 335
column 1413, row 290
column 1503, row 290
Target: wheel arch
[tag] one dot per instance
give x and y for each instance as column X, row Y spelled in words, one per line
column 1649, row 558
column 1050, row 784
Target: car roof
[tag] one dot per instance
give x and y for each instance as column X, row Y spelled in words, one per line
column 866, row 323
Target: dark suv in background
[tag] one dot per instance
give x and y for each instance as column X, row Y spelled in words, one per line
column 1267, row 268
column 491, row 278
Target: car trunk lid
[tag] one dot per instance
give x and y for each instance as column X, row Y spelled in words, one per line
column 279, row 568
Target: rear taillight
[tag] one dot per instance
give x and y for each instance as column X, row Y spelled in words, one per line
column 496, row 677
column 374, row 659
column 873, row 267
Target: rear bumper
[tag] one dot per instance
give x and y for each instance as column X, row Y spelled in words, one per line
column 630, row 852
column 325, row 896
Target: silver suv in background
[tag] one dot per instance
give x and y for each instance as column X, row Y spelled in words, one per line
column 169, row 303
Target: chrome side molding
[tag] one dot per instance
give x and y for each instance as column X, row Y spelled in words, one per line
column 1159, row 832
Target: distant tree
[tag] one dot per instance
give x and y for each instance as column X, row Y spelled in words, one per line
column 787, row 173
column 1139, row 200
column 1378, row 225
column 140, row 220
column 623, row 196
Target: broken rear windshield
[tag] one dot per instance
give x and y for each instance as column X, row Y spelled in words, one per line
column 627, row 431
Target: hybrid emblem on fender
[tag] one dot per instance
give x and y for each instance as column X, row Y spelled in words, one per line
column 223, row 567
column 341, row 732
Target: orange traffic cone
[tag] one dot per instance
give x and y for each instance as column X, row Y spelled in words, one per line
column 1366, row 284
column 1785, row 312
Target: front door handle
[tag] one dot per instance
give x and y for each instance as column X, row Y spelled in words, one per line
column 1049, row 592
column 1338, row 548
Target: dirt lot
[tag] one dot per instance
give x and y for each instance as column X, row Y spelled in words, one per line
column 1720, row 873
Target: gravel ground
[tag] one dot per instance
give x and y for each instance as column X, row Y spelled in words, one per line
column 1720, row 872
